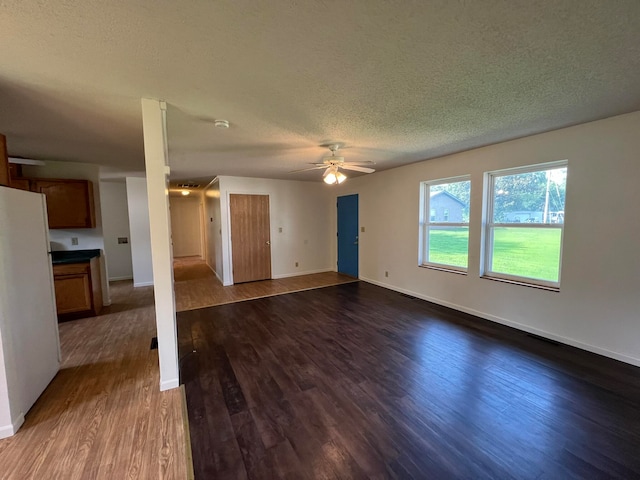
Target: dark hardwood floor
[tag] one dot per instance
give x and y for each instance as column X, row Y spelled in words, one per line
column 356, row 381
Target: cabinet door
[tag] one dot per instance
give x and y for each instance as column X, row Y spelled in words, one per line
column 4, row 161
column 20, row 183
column 73, row 293
column 69, row 202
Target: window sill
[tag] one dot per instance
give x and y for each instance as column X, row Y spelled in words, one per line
column 444, row 269
column 523, row 284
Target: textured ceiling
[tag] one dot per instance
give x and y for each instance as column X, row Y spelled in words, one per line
column 396, row 81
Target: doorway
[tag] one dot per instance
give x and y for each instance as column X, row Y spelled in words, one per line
column 348, row 235
column 250, row 237
column 186, row 226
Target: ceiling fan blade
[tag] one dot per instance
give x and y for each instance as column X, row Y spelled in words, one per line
column 356, row 162
column 307, row 169
column 357, row 169
column 327, row 171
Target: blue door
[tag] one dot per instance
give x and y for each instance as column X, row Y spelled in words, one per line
column 348, row 235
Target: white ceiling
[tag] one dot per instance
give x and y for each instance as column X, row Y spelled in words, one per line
column 396, row 81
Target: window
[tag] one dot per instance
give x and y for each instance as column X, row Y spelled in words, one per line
column 524, row 224
column 444, row 236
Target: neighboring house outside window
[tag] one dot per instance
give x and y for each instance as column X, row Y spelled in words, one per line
column 524, row 224
column 444, row 236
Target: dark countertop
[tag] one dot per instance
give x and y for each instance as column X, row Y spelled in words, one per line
column 73, row 256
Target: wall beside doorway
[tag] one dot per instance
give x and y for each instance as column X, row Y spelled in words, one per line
column 301, row 228
column 115, row 227
column 138, row 208
column 213, row 229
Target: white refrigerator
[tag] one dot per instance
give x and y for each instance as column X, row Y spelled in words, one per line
column 29, row 342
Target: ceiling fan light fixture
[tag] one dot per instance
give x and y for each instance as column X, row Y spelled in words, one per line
column 330, row 178
column 334, row 177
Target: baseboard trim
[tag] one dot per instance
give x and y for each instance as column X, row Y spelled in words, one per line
column 142, row 284
column 169, row 384
column 12, row 429
column 519, row 326
column 297, row 274
column 117, row 279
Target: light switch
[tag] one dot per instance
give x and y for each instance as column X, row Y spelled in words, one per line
column 362, row 229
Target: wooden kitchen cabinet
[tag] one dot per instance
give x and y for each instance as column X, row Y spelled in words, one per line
column 20, row 183
column 16, row 179
column 4, row 162
column 78, row 289
column 69, row 202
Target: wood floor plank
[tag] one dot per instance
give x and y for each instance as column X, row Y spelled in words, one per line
column 355, row 381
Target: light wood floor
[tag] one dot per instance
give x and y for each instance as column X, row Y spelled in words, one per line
column 197, row 286
column 103, row 416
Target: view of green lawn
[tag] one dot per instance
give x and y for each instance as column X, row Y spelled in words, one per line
column 521, row 251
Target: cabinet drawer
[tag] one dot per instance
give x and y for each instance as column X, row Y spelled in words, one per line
column 71, row 268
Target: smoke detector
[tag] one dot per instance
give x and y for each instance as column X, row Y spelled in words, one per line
column 221, row 123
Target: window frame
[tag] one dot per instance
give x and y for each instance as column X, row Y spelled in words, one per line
column 489, row 227
column 426, row 222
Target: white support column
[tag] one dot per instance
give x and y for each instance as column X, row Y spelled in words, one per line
column 157, row 166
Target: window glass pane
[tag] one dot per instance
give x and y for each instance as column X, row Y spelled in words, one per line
column 527, row 252
column 448, row 245
column 449, row 202
column 532, row 197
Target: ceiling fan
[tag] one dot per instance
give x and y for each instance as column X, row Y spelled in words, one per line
column 334, row 163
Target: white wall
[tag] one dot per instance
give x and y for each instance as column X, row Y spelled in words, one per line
column 115, row 223
column 213, row 229
column 598, row 305
column 138, row 208
column 300, row 209
column 88, row 238
column 186, row 225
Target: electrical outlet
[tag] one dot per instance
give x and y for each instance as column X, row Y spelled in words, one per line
column 296, row 264
column 74, row 240
column 279, row 229
column 362, row 229
column 386, row 274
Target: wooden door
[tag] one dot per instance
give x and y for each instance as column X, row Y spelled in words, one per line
column 250, row 237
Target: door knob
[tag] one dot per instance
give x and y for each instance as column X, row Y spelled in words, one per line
column 268, row 242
